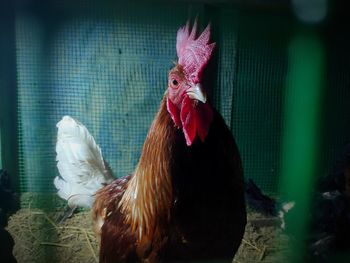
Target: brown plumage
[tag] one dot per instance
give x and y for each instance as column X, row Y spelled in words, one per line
column 185, row 199
column 136, row 205
column 154, row 213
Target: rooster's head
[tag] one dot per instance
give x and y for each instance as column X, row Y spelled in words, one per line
column 187, row 101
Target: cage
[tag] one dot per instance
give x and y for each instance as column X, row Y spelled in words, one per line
column 279, row 77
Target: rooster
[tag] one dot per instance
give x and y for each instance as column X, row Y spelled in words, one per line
column 185, row 199
column 330, row 216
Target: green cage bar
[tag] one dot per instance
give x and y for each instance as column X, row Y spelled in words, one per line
column 301, row 138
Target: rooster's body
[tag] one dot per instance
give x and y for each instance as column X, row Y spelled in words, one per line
column 202, row 214
column 185, row 199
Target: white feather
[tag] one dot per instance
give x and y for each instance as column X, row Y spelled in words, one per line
column 80, row 164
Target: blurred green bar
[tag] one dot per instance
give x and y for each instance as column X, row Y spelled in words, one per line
column 302, row 134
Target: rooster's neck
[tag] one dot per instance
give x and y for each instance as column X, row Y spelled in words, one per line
column 148, row 197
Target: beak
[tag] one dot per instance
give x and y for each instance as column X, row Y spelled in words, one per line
column 196, row 93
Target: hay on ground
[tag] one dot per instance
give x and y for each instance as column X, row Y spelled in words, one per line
column 39, row 238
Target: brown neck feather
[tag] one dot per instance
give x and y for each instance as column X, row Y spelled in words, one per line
column 148, row 196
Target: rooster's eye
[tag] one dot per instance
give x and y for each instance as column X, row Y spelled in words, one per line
column 175, row 83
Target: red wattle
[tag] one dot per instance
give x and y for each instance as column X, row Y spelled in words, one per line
column 204, row 119
column 189, row 121
column 195, row 120
column 174, row 113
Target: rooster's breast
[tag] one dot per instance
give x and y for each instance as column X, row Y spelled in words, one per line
column 209, row 207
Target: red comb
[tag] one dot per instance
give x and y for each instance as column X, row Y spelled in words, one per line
column 193, row 52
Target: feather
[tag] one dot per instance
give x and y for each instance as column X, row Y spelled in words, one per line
column 264, row 204
column 80, row 164
column 258, row 200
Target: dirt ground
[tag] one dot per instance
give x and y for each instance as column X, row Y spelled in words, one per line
column 40, row 238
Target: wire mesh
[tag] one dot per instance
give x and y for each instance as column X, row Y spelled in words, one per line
column 107, row 66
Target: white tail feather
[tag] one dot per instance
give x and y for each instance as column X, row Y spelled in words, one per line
column 80, row 164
